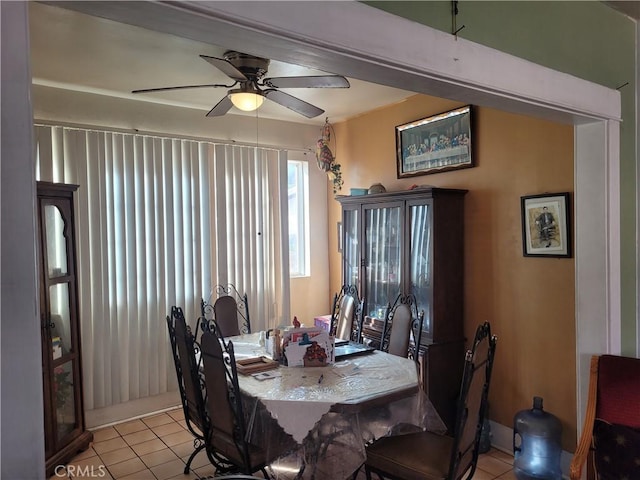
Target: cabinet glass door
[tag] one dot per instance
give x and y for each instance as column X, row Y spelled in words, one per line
column 60, row 320
column 64, row 400
column 382, row 258
column 350, row 247
column 55, row 241
column 62, row 368
column 420, row 260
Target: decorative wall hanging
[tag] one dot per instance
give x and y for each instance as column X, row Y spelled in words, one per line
column 326, row 159
column 435, row 144
column 546, row 226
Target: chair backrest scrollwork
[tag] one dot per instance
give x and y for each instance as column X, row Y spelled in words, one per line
column 472, row 402
column 229, row 308
column 190, row 380
column 402, row 329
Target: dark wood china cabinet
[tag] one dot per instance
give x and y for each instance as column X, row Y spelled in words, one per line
column 64, row 426
column 412, row 242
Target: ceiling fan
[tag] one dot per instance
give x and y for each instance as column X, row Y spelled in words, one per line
column 247, row 72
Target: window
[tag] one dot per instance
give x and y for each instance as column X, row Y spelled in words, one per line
column 298, row 187
column 160, row 221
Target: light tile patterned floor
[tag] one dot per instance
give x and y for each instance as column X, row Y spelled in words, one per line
column 157, row 448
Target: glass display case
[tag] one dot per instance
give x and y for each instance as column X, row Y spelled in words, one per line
column 407, row 242
column 382, row 257
column 412, row 242
column 65, row 433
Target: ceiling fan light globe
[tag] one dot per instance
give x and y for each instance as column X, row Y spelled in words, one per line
column 247, row 101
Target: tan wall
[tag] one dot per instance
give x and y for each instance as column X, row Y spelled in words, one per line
column 529, row 301
column 309, row 296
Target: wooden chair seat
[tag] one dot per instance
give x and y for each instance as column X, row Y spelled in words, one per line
column 225, row 445
column 397, row 455
column 428, row 456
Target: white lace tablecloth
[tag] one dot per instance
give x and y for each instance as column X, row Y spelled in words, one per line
column 373, row 393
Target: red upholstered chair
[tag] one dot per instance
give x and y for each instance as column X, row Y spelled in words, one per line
column 610, row 440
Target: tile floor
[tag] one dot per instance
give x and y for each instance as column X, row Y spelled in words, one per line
column 157, row 448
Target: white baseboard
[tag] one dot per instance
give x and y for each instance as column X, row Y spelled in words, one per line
column 502, row 439
column 107, row 416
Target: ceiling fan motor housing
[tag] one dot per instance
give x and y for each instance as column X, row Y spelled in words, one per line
column 248, row 64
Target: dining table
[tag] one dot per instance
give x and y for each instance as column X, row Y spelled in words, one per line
column 317, row 420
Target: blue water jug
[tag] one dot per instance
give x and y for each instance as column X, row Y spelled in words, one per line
column 537, row 444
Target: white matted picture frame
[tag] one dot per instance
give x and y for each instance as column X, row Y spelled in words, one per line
column 546, row 225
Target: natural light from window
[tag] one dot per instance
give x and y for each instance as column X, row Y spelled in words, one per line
column 298, row 187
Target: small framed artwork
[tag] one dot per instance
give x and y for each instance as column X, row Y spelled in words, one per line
column 435, row 144
column 546, row 225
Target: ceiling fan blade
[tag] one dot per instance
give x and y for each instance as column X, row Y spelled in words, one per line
column 293, row 103
column 226, row 67
column 181, row 87
column 321, row 81
column 222, row 107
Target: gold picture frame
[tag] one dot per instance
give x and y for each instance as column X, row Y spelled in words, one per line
column 435, row 144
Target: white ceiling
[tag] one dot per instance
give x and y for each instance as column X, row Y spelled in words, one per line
column 75, row 51
column 79, row 52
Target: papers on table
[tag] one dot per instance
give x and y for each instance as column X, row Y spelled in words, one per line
column 346, row 370
column 267, row 375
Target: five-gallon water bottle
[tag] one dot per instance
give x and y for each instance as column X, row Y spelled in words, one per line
column 536, row 444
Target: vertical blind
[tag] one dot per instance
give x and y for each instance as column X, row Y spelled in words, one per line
column 160, row 222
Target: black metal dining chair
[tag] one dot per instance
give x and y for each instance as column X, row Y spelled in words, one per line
column 346, row 314
column 229, row 308
column 227, row 443
column 428, row 456
column 190, row 383
column 402, row 329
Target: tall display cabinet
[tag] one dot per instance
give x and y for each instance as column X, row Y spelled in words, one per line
column 413, row 242
column 64, row 427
